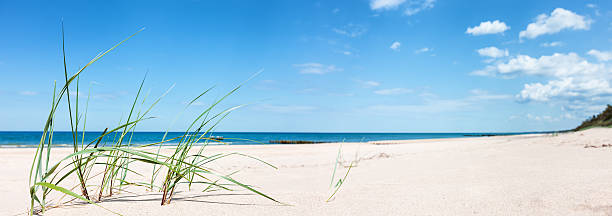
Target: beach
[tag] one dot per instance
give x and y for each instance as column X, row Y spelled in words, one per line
column 357, row 108
column 534, row 174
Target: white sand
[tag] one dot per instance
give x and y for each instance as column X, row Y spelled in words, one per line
column 505, row 175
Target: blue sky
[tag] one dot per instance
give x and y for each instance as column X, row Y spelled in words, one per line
column 328, row 66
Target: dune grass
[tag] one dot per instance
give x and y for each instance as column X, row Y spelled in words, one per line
column 184, row 165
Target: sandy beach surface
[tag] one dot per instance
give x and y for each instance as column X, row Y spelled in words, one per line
column 544, row 174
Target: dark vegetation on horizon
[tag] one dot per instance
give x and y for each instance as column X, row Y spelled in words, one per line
column 603, row 119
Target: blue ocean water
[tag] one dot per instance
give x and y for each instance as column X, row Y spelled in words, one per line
column 31, row 139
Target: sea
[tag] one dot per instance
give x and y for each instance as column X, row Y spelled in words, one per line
column 25, row 139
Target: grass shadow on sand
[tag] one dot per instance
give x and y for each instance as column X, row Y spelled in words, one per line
column 154, row 197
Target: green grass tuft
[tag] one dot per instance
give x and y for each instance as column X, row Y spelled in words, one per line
column 186, row 165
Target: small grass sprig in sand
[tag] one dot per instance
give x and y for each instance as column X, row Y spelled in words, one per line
column 336, row 187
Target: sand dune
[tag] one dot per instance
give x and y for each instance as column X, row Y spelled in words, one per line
column 565, row 174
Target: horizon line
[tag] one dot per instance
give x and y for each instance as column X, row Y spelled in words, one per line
column 503, row 132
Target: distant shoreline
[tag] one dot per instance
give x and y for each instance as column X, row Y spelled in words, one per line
column 264, row 138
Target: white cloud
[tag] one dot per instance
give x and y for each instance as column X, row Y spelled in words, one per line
column 351, row 30
column 585, row 107
column 479, row 94
column 371, row 83
column 542, row 118
column 557, row 65
column 595, row 8
column 412, row 7
column 488, row 27
column 492, row 52
column 336, row 10
column 347, row 52
column 567, row 87
column 308, row 90
column 395, row 46
column 316, row 68
column 418, row 6
column 28, row 93
column 73, row 93
column 368, row 83
column 385, row 4
column 393, row 91
column 489, row 70
column 552, row 44
column 601, row 55
column 547, row 118
column 571, row 79
column 422, row 50
column 559, row 19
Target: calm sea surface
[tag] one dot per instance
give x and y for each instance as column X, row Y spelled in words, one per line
column 31, row 139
